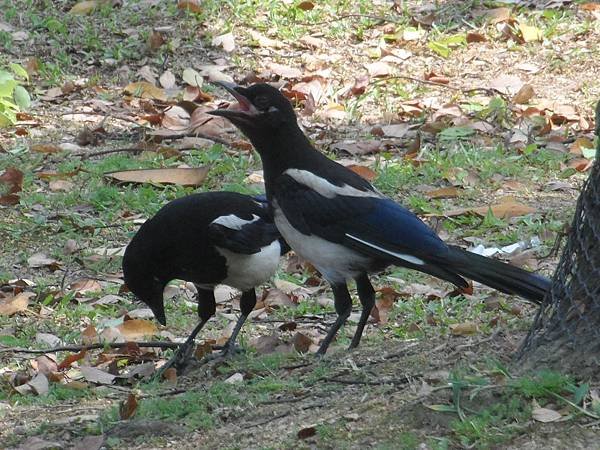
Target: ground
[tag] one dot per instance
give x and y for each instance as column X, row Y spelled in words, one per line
column 476, row 115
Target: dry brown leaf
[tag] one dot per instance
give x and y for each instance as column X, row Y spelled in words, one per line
column 507, row 208
column 45, row 148
column 137, row 328
column 364, row 171
column 302, row 342
column 462, row 329
column 524, row 94
column 446, row 192
column 384, row 304
column 579, row 144
column 360, row 147
column 13, row 305
column 128, row 407
column 305, row 5
column 170, row 375
column 580, row 164
column 191, row 5
column 39, row 384
column 590, row 6
column 180, row 176
column 70, row 359
column 89, row 335
column 311, row 41
column 473, row 37
column 143, row 89
column 306, row 432
column 85, row 285
column 276, row 298
column 11, row 182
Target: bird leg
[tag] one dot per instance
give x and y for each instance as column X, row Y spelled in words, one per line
column 206, row 309
column 343, row 307
column 366, row 294
column 247, row 304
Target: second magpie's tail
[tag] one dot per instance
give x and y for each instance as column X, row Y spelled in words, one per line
column 498, row 275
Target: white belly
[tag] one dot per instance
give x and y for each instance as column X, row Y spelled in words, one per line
column 247, row 271
column 336, row 262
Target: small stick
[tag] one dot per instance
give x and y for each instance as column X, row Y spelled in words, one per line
column 78, row 348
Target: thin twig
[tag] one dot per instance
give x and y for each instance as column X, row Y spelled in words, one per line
column 108, row 152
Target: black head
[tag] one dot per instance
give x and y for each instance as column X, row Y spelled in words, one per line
column 259, row 108
column 146, row 286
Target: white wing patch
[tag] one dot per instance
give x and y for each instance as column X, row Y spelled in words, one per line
column 234, row 222
column 408, row 258
column 325, row 188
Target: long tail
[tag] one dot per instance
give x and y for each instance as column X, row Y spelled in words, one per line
column 498, row 275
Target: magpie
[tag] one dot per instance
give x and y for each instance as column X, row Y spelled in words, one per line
column 207, row 239
column 344, row 226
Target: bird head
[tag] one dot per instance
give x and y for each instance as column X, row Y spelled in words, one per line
column 146, row 287
column 259, row 108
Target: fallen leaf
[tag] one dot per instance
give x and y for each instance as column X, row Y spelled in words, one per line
column 180, row 176
column 97, row 376
column 192, row 77
column 306, row 432
column 276, row 299
column 378, row 69
column 530, row 33
column 128, row 408
column 227, row 41
column 46, row 365
column 11, row 182
column 70, row 359
column 581, row 143
column 463, row 329
column 446, row 192
column 507, row 84
column 191, row 5
column 83, row 8
column 364, row 171
column 45, row 148
column 170, row 375
column 155, row 41
column 301, row 342
column 305, row 5
column 40, row 260
column 13, row 305
column 264, row 41
column 235, row 378
column 495, row 15
column 89, row 335
column 285, row 71
column 137, row 328
column 61, row 186
column 39, row 384
column 507, row 208
column 524, row 94
column 360, row 147
column 473, row 37
column 545, row 415
column 397, row 130
column 167, row 80
column 143, row 89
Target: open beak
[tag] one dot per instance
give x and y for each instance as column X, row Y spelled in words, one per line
column 243, row 109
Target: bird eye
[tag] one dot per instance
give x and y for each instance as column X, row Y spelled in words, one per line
column 261, row 102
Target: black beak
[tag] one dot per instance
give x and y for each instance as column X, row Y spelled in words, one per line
column 242, row 110
column 159, row 313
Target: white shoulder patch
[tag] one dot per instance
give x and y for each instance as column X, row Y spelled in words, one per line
column 408, row 258
column 234, row 222
column 325, row 188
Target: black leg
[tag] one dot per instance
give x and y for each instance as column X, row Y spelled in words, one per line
column 247, row 304
column 206, row 309
column 366, row 294
column 343, row 307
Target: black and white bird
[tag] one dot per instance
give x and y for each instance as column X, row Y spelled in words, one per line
column 343, row 225
column 207, row 239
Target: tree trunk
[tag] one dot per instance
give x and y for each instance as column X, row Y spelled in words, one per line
column 566, row 330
